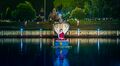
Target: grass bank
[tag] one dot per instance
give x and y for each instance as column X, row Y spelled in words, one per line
column 84, row 25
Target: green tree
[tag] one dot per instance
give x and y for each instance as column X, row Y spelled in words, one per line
column 65, row 5
column 77, row 13
column 86, row 9
column 24, row 12
column 8, row 13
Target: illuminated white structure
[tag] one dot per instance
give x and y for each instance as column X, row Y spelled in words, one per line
column 64, row 26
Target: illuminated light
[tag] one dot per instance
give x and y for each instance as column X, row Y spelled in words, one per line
column 98, row 31
column 21, row 31
column 78, row 45
column 60, row 16
column 40, row 32
column 60, row 43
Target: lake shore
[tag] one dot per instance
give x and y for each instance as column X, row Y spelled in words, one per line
column 83, row 25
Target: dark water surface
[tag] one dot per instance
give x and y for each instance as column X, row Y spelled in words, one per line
column 43, row 52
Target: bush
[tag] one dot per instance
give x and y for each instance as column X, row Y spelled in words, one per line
column 72, row 22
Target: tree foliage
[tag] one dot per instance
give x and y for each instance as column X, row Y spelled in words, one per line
column 78, row 13
column 64, row 5
column 93, row 8
column 24, row 11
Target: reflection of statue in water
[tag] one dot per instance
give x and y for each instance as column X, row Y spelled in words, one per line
column 61, row 51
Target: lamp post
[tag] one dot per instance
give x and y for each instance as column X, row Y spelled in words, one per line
column 98, row 31
column 21, row 31
column 78, row 31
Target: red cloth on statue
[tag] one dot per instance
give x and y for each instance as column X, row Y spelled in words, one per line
column 61, row 35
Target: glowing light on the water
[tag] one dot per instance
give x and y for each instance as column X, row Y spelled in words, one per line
column 117, row 40
column 61, row 53
column 117, row 33
column 21, row 44
column 78, row 31
column 98, row 44
column 58, row 62
column 40, row 43
column 78, row 45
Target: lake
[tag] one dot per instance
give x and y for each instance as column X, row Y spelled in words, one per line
column 73, row 52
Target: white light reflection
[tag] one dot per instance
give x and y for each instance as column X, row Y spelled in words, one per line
column 40, row 44
column 78, row 31
column 78, row 45
column 98, row 44
column 21, row 44
column 117, row 33
column 117, row 41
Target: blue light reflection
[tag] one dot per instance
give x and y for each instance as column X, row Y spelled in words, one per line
column 61, row 52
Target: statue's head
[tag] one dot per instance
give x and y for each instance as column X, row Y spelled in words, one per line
column 54, row 10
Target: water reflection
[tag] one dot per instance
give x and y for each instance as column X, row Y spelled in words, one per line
column 98, row 44
column 73, row 41
column 38, row 52
column 117, row 40
column 61, row 51
column 78, row 45
column 21, row 44
column 40, row 43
